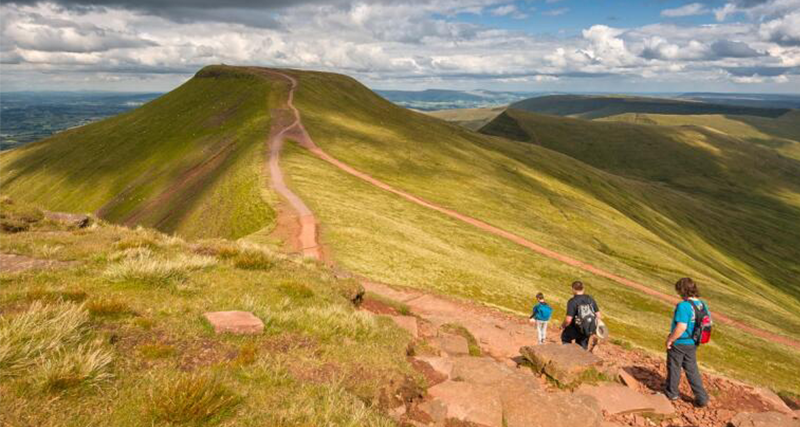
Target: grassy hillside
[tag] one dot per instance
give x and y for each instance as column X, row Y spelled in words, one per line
column 470, row 118
column 781, row 133
column 173, row 164
column 564, row 204
column 592, row 107
column 742, row 198
column 116, row 336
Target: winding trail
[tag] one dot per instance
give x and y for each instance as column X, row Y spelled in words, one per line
column 308, row 235
column 307, row 238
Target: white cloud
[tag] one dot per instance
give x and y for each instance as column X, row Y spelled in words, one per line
column 690, row 9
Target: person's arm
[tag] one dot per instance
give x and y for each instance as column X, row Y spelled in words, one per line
column 567, row 322
column 680, row 328
column 596, row 310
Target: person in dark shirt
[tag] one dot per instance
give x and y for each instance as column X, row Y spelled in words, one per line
column 579, row 307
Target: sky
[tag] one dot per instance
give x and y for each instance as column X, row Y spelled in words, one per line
column 528, row 45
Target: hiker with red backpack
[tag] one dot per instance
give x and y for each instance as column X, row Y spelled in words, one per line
column 582, row 318
column 691, row 327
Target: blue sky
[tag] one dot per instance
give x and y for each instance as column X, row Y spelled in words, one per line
column 534, row 45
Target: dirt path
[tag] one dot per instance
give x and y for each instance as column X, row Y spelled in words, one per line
column 298, row 132
column 307, row 236
column 501, row 335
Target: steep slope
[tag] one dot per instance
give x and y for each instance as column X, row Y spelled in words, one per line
column 592, row 107
column 561, row 203
column 470, row 118
column 741, row 197
column 188, row 162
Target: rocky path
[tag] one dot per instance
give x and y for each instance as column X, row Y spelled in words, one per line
column 499, row 387
column 308, row 233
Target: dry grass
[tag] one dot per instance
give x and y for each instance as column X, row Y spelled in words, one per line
column 191, row 398
column 107, row 307
column 50, row 343
column 153, row 270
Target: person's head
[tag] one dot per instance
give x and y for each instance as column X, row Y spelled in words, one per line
column 577, row 287
column 686, row 288
column 540, row 297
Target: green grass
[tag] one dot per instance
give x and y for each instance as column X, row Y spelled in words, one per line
column 643, row 230
column 78, row 347
column 593, row 106
column 190, row 161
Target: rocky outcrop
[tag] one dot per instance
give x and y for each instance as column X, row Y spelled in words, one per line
column 618, row 399
column 567, row 364
column 71, row 220
column 764, row 419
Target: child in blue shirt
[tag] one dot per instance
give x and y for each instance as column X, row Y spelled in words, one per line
column 681, row 348
column 541, row 316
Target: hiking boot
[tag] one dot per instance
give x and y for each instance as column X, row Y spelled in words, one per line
column 701, row 404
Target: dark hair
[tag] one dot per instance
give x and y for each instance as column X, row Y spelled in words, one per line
column 686, row 288
column 540, row 296
column 577, row 285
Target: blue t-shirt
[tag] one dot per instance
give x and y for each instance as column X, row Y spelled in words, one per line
column 542, row 312
column 684, row 313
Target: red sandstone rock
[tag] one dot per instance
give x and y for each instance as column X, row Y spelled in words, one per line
column 235, row 322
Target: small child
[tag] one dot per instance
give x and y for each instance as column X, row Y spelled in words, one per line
column 541, row 315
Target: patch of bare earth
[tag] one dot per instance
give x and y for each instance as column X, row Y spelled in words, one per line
column 13, row 263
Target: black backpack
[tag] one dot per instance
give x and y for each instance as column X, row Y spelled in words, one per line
column 702, row 324
column 586, row 320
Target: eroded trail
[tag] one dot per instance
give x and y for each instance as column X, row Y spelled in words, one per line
column 309, row 233
column 307, row 236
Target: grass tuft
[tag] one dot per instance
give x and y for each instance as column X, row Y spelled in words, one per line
column 85, row 364
column 253, row 260
column 191, row 398
column 156, row 351
column 149, row 269
column 107, row 307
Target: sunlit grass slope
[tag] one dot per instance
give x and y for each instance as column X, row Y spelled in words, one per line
column 118, row 338
column 188, row 162
column 470, row 118
column 596, row 106
column 742, row 198
column 645, row 231
column 780, row 133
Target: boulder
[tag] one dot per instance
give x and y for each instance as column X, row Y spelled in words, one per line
column 479, row 370
column 628, row 380
column 442, row 365
column 567, row 364
column 454, row 345
column 474, row 403
column 764, row 419
column 409, row 323
column 619, row 399
column 69, row 219
column 235, row 322
column 774, row 400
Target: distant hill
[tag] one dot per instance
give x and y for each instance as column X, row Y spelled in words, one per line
column 441, row 99
column 187, row 162
column 593, row 107
column 470, row 118
column 746, row 99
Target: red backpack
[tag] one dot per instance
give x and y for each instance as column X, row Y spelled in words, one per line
column 702, row 324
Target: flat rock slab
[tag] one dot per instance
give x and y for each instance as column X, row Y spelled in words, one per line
column 774, row 400
column 619, row 399
column 12, row 263
column 454, row 345
column 479, row 370
column 566, row 364
column 69, row 219
column 409, row 323
column 764, row 419
column 235, row 322
column 442, row 365
column 524, row 406
column 474, row 403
